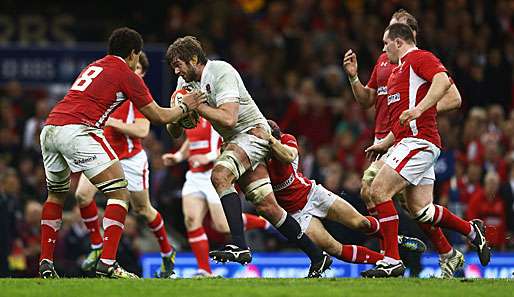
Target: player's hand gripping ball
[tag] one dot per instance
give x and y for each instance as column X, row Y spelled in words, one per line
column 190, row 120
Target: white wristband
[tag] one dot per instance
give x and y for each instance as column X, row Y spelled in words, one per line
column 353, row 80
column 179, row 156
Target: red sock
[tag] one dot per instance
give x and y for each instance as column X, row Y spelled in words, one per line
column 200, row 246
column 89, row 216
column 437, row 238
column 254, row 222
column 359, row 254
column 446, row 219
column 373, row 212
column 375, row 226
column 113, row 222
column 158, row 229
column 51, row 219
column 388, row 218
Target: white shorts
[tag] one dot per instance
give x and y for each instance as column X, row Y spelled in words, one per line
column 414, row 160
column 78, row 148
column 319, row 202
column 200, row 183
column 136, row 171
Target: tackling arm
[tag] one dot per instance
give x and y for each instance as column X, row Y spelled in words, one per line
column 282, row 152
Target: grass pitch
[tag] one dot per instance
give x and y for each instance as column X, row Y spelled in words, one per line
column 257, row 287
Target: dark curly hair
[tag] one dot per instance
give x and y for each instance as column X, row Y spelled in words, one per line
column 123, row 40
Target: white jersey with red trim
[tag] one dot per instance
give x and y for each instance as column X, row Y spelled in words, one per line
column 203, row 139
column 223, row 84
column 290, row 186
column 125, row 146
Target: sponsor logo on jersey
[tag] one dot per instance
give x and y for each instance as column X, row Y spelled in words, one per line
column 284, row 184
column 85, row 160
column 393, row 98
column 195, row 145
column 382, row 91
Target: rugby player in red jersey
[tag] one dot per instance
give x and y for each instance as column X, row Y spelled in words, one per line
column 308, row 203
column 413, row 90
column 124, row 129
column 375, row 93
column 72, row 140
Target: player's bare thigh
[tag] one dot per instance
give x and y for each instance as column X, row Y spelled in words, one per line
column 387, row 183
column 195, row 208
column 267, row 206
column 85, row 192
column 320, row 236
column 344, row 213
column 418, row 197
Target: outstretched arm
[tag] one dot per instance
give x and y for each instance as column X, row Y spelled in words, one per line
column 363, row 95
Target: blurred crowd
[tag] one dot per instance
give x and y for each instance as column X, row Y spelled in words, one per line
column 289, row 54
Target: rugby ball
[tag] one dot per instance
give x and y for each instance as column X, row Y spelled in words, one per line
column 190, row 120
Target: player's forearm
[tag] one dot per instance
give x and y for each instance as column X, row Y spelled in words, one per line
column 282, row 152
column 162, row 115
column 218, row 116
column 440, row 85
column 137, row 130
column 183, row 152
column 451, row 100
column 388, row 141
column 364, row 96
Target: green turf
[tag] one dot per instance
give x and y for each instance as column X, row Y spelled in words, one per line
column 256, row 287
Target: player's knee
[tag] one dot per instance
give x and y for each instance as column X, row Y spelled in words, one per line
column 83, row 198
column 365, row 192
column 141, row 209
column 426, row 214
column 191, row 221
column 376, row 192
column 270, row 211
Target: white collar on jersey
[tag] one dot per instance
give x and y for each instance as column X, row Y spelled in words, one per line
column 204, row 70
column 120, row 58
column 408, row 51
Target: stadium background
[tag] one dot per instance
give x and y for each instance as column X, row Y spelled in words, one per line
column 289, row 54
